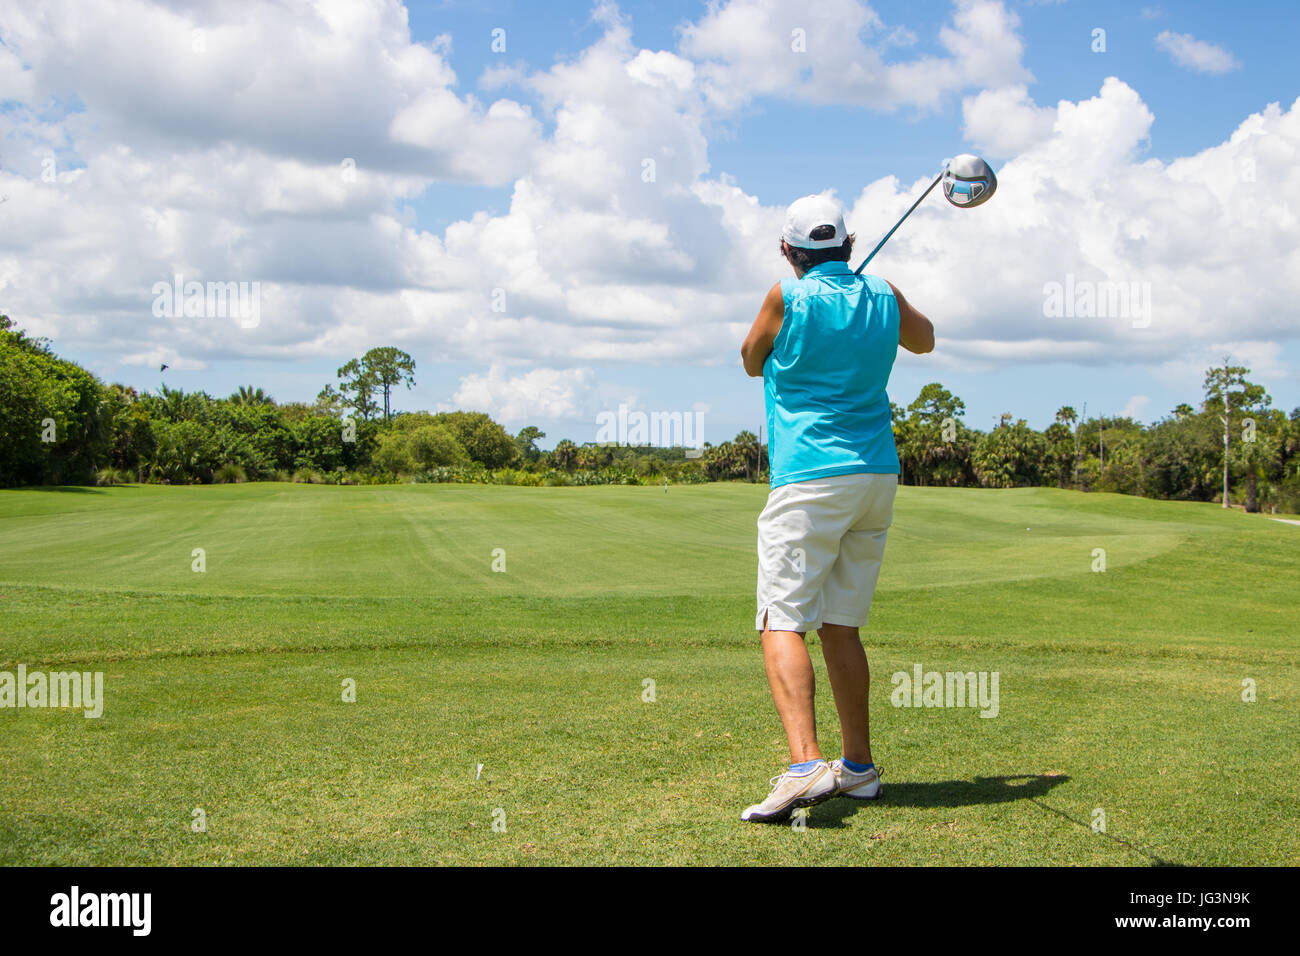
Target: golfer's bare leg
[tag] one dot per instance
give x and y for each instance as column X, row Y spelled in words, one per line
column 846, row 664
column 790, row 674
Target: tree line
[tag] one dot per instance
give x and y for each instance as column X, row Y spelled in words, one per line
column 59, row 424
column 1235, row 448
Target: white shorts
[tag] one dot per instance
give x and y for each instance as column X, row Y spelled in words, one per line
column 820, row 544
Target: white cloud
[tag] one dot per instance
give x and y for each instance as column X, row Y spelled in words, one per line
column 596, row 263
column 1195, row 54
column 317, row 82
column 1005, row 121
column 833, row 53
column 542, row 394
column 1084, row 206
column 1135, row 407
column 15, row 82
column 489, row 147
column 1264, row 359
column 662, row 69
column 156, row 358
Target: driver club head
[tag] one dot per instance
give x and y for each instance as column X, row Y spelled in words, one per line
column 968, row 181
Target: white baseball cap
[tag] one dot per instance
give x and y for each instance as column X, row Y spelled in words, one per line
column 806, row 214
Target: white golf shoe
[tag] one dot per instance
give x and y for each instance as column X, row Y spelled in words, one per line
column 859, row 786
column 790, row 791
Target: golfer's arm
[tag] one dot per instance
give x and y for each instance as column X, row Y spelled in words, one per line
column 915, row 331
column 757, row 345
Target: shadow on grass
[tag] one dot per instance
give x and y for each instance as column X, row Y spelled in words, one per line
column 966, row 793
column 953, row 793
column 63, row 489
column 943, row 793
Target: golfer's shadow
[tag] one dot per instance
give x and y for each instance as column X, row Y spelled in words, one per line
column 944, row 793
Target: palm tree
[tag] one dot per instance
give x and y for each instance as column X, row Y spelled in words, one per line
column 1009, row 456
column 746, row 446
column 179, row 406
column 1066, row 415
column 248, row 395
column 565, row 455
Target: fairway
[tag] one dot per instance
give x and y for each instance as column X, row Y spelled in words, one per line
column 1121, row 691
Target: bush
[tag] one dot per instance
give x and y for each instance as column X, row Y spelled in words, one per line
column 434, row 445
column 368, row 478
column 486, row 442
column 454, row 474
column 229, row 474
column 113, row 476
column 521, row 477
column 303, row 477
column 688, row 475
column 394, row 454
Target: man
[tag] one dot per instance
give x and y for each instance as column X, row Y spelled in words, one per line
column 824, row 343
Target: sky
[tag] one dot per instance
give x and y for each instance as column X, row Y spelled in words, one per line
column 559, row 209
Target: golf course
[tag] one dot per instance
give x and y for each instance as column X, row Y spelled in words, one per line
column 570, row 676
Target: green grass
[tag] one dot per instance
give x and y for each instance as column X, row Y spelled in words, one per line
column 1118, row 690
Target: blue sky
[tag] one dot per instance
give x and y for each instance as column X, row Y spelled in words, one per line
column 519, row 171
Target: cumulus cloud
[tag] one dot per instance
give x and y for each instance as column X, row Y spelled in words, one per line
column 15, row 81
column 833, row 52
column 1083, row 209
column 1195, row 54
column 618, row 244
column 1005, row 121
column 232, row 142
column 319, row 82
column 542, row 393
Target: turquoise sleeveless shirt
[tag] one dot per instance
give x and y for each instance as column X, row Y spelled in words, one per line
column 824, row 381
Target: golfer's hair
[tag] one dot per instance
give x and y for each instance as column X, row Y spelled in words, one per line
column 805, row 259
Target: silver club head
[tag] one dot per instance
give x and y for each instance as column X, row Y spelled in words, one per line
column 968, row 181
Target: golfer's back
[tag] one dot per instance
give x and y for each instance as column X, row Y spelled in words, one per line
column 824, row 381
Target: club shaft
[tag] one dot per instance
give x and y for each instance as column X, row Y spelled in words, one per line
column 858, row 270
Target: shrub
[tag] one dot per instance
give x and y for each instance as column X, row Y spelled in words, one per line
column 369, row 478
column 435, row 445
column 393, row 454
column 229, row 474
column 113, row 476
column 454, row 474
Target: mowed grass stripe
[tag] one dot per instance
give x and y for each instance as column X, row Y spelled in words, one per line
column 564, row 541
column 1119, row 691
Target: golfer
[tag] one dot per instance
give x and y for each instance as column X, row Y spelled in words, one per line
column 824, row 343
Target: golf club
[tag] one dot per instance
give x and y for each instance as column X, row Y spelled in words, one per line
column 967, row 180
